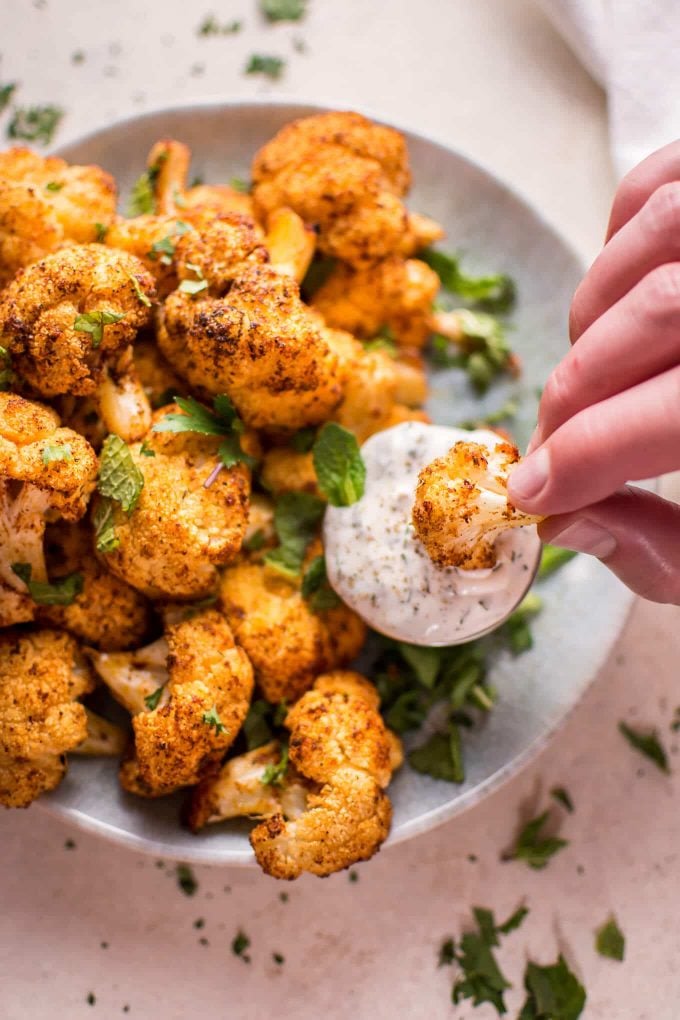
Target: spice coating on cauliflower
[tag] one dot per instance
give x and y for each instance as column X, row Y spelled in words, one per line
column 462, row 505
column 287, row 643
column 41, row 675
column 181, row 529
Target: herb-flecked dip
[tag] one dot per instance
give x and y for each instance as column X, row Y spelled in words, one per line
column 379, row 566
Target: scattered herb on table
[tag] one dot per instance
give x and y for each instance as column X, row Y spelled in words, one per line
column 647, row 744
column 481, row 980
column 271, row 67
column 278, row 958
column 283, row 10
column 91, row 998
column 35, row 123
column 6, row 93
column 353, row 876
column 562, row 797
column 186, row 880
column 211, row 26
column 610, row 940
column 553, row 993
column 533, row 846
column 239, row 945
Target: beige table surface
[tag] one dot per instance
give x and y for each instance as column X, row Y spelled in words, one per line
column 492, row 78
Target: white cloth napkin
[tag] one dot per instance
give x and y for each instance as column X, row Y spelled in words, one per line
column 632, row 48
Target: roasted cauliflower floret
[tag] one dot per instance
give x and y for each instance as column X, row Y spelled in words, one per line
column 157, row 376
column 45, row 472
column 290, row 243
column 461, row 504
column 46, row 204
column 41, row 676
column 189, row 693
column 190, row 518
column 287, row 643
column 396, row 293
column 215, row 199
column 151, row 239
column 220, row 252
column 260, row 345
column 343, row 174
column 107, row 613
column 339, row 742
column 68, row 322
column 104, row 739
column 287, row 470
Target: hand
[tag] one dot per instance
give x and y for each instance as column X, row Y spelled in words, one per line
column 610, row 411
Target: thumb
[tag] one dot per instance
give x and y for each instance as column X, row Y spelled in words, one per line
column 634, row 533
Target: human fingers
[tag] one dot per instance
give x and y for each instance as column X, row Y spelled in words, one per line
column 635, row 533
column 649, row 239
column 637, row 186
column 633, row 435
column 637, row 338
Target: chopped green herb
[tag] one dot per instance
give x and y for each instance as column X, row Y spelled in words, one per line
column 296, row 519
column 440, row 757
column 339, row 466
column 647, row 744
column 283, row 896
column 6, row 371
column 552, row 558
column 51, row 452
column 143, row 195
column 91, row 998
column 212, row 718
column 151, row 700
column 256, row 541
column 271, row 67
column 193, row 287
column 283, row 10
column 278, row 958
column 353, row 876
column 164, row 250
column 494, row 293
column 275, row 775
column 104, row 526
column 94, row 322
column 258, row 724
column 222, row 421
column 610, row 940
column 211, row 26
column 534, row 848
column 54, row 186
column 240, row 184
column 513, row 922
column 447, row 953
column 562, row 797
column 239, row 944
column 100, row 230
column 60, row 593
column 146, row 450
column 516, row 628
column 119, row 476
column 186, row 880
column 138, row 291
column 69, row 844
column 425, row 662
column 6, row 92
column 381, row 343
column 553, row 993
column 303, row 440
column 78, row 57
column 482, row 979
column 35, row 123
column 504, row 413
column 199, row 923
column 316, row 589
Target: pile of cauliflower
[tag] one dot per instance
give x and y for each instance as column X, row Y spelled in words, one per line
column 161, row 378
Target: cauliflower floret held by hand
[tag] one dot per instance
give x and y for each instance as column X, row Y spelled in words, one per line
column 45, row 472
column 339, row 743
column 190, row 512
column 189, row 693
column 68, row 322
column 41, row 675
column 461, row 504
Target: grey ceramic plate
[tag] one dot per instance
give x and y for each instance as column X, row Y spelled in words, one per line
column 585, row 605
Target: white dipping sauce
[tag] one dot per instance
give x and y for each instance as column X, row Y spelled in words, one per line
column 379, row 567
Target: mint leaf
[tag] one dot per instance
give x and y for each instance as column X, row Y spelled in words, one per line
column 513, row 922
column 315, row 587
column 53, row 452
column 94, row 322
column 647, row 744
column 339, row 467
column 60, row 593
column 296, row 519
column 554, row 993
column 533, row 848
column 425, row 662
column 610, row 940
column 440, row 757
column 562, row 797
column 483, row 980
column 104, row 527
column 119, row 476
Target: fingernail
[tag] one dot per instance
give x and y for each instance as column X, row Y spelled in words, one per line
column 527, row 480
column 586, row 537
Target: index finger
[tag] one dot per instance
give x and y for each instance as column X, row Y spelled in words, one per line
column 662, row 167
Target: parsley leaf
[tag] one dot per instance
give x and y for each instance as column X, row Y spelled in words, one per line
column 151, row 700
column 339, row 467
column 447, row 953
column 274, row 775
column 100, row 232
column 562, row 797
column 552, row 558
column 212, row 718
column 54, row 186
column 440, row 757
column 271, row 67
column 60, row 593
column 186, row 880
column 222, row 421
column 94, row 322
column 53, row 452
column 240, row 184
column 6, row 92
column 610, row 940
column 283, row 10
column 483, row 980
column 533, row 848
column 513, row 922
column 425, row 662
column 142, row 198
column 138, row 291
column 35, row 123
column 316, row 589
column 211, row 26
column 296, row 520
column 647, row 744
column 494, row 293
column 553, row 993
column 119, row 476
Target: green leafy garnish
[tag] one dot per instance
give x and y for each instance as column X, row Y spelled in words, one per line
column 562, row 797
column 6, row 92
column 535, row 848
column 296, row 520
column 94, row 322
column 553, row 993
column 119, row 477
column 278, row 958
column 274, row 774
column 504, row 413
column 483, row 980
column 211, row 26
column 54, row 186
column 339, row 466
column 381, row 343
column 239, row 944
column 223, row 420
column 256, row 541
column 151, row 700
column 271, row 67
column 146, row 450
column 59, row 593
column 35, row 123
column 100, row 232
column 316, row 589
column 647, row 744
column 193, row 287
column 186, row 880
column 138, row 291
column 104, row 526
column 164, row 250
column 258, row 726
column 494, row 293
column 303, row 440
column 610, row 940
column 51, row 452
column 212, row 718
column 552, row 558
column 240, row 184
column 447, row 953
column 143, row 195
column 516, row 628
column 480, row 349
column 319, row 270
column 440, row 757
column 6, row 371
column 513, row 922
column 425, row 662
column 283, row 10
